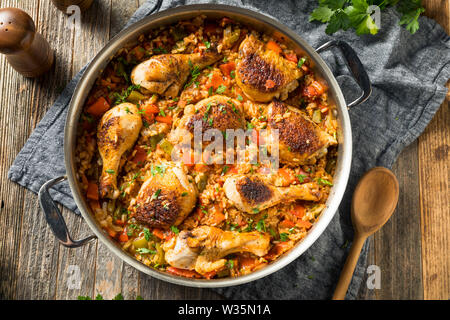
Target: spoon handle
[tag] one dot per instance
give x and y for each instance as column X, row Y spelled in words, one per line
column 349, row 267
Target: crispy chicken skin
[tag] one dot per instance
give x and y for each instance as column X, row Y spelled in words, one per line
column 165, row 199
column 208, row 245
column 263, row 73
column 216, row 112
column 117, row 132
column 166, row 74
column 253, row 193
column 301, row 141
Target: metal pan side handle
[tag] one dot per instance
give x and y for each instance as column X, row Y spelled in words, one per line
column 355, row 67
column 54, row 217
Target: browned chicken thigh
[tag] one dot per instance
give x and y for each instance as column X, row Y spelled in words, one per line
column 203, row 248
column 165, row 198
column 216, row 112
column 263, row 73
column 253, row 193
column 300, row 140
column 117, row 132
column 166, row 74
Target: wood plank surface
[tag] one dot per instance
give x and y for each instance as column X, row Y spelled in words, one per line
column 434, row 160
column 412, row 249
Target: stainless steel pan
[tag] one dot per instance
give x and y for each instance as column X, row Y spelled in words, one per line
column 261, row 23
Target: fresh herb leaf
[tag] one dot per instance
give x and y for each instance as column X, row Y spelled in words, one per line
column 174, row 229
column 145, row 251
column 284, row 236
column 221, row 89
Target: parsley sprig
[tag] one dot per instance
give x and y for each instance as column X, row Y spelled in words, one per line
column 355, row 14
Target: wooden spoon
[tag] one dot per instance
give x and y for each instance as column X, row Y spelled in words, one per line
column 373, row 203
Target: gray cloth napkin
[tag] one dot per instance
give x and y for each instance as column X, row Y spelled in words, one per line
column 408, row 73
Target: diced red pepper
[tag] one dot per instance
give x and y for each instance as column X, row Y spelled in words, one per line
column 92, row 191
column 99, row 107
column 140, row 155
column 226, row 68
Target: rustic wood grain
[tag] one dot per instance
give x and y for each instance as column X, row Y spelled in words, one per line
column 17, row 205
column 434, row 186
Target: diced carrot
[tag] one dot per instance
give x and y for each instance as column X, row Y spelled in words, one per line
column 140, row 155
column 111, row 232
column 272, row 45
column 123, row 237
column 298, row 211
column 314, row 89
column 138, row 52
column 166, row 119
column 270, row 84
column 99, row 107
column 248, row 263
column 217, row 80
column 286, row 223
column 151, row 108
column 226, row 68
column 304, row 224
column 119, row 222
column 92, row 191
column 318, row 86
column 291, row 57
column 201, row 167
column 286, row 175
column 217, row 215
column 159, row 233
column 233, row 170
column 184, row 273
column 84, row 179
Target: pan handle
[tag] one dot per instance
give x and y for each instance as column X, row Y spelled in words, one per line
column 354, row 65
column 54, row 217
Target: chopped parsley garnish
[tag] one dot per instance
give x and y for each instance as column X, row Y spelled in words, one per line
column 111, row 171
column 232, row 74
column 145, row 251
column 225, row 170
column 207, row 44
column 210, row 91
column 301, row 61
column 120, row 98
column 147, row 234
column 301, row 177
column 261, row 226
column 221, row 89
column 324, row 182
column 156, row 194
column 284, row 236
column 195, row 72
column 239, row 97
column 174, row 229
column 230, row 264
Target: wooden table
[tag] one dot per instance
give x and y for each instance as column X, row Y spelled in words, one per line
column 412, row 250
